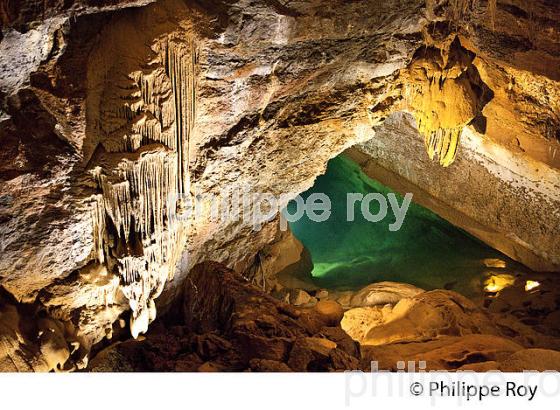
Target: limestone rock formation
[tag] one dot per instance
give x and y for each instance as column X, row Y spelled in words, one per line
column 280, row 263
column 229, row 324
column 120, row 112
column 447, row 353
column 445, row 331
column 425, row 316
column 379, row 293
column 503, row 85
column 357, row 322
column 539, row 360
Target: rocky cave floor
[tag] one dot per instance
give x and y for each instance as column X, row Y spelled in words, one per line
column 225, row 323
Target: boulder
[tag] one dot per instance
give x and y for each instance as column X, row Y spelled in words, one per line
column 330, row 311
column 357, row 322
column 430, row 315
column 383, row 293
column 299, row 297
column 343, row 341
column 322, row 294
column 310, row 353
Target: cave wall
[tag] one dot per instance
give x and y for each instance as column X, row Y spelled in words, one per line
column 124, row 105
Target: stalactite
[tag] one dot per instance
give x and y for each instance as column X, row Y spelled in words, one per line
column 439, row 93
column 98, row 229
column 181, row 61
column 443, row 143
column 433, row 120
column 147, row 119
column 138, row 199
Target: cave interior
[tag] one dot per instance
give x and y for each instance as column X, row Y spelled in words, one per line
column 121, row 114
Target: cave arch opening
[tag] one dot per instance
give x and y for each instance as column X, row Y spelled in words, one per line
column 426, row 251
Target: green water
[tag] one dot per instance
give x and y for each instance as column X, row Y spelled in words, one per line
column 427, row 251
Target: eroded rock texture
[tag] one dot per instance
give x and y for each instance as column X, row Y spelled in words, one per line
column 120, row 110
column 228, row 324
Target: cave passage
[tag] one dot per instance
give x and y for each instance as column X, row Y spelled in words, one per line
column 427, row 251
